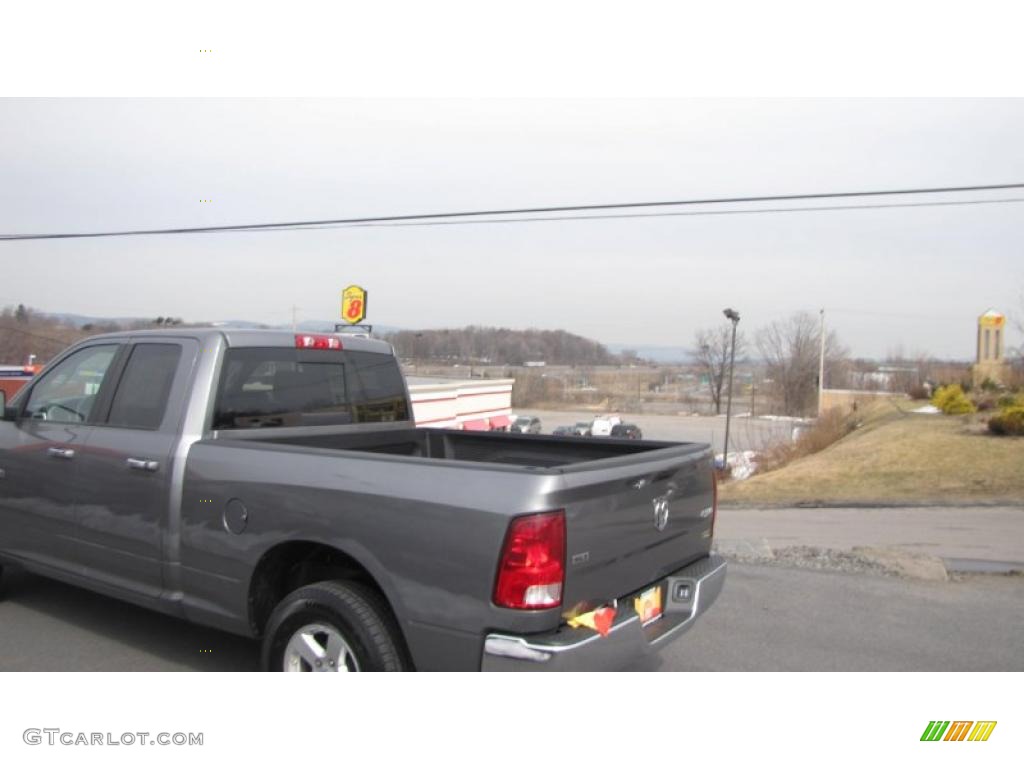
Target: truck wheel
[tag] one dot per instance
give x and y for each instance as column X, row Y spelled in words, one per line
column 333, row 626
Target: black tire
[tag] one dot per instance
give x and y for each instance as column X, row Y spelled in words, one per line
column 359, row 613
column 1, row 582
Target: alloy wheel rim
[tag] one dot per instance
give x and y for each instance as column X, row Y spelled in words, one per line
column 319, row 648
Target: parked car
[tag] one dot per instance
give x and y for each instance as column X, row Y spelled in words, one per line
column 582, row 428
column 602, row 425
column 526, row 424
column 274, row 485
column 632, row 431
column 568, row 431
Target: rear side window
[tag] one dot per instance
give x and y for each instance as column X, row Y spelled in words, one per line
column 280, row 387
column 142, row 393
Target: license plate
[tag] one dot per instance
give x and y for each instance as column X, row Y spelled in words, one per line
column 648, row 605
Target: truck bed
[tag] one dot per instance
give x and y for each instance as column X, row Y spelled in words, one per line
column 526, row 451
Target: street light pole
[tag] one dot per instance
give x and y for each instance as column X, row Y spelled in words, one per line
column 734, row 316
column 821, row 362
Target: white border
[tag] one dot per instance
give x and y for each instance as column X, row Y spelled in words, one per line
column 551, row 48
column 530, row 47
column 523, row 720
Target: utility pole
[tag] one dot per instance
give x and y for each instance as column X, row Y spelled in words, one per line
column 821, row 362
column 734, row 316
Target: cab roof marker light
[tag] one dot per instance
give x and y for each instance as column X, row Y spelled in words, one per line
column 317, row 341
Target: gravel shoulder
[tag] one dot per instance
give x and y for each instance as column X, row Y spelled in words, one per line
column 981, row 533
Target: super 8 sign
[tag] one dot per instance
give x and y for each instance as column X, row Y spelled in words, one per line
column 353, row 304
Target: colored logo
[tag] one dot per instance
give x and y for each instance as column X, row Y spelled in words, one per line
column 958, row 730
column 992, row 320
column 353, row 304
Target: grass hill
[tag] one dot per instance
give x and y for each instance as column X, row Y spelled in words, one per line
column 896, row 456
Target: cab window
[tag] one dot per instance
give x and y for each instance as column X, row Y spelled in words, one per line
column 68, row 393
column 141, row 397
column 279, row 387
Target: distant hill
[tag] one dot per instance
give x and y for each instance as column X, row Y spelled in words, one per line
column 328, row 325
column 78, row 321
column 67, row 318
column 502, row 346
column 472, row 343
column 653, row 353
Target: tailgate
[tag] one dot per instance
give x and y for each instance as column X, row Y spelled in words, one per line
column 630, row 524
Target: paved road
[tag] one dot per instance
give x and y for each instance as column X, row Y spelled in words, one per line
column 772, row 619
column 46, row 626
column 744, row 433
column 994, row 534
column 768, row 618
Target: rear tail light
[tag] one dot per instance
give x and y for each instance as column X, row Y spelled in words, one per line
column 316, row 341
column 532, row 568
column 714, row 501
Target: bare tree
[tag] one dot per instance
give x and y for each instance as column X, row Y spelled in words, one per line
column 712, row 354
column 1018, row 321
column 501, row 345
column 790, row 349
column 1016, row 354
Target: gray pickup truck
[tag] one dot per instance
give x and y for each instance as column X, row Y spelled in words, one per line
column 275, row 485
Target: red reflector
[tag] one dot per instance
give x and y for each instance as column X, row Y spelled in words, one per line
column 532, row 568
column 317, row 341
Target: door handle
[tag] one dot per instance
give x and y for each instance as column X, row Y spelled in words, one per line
column 61, row 453
column 145, row 465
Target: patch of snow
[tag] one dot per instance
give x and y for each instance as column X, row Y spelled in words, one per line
column 742, row 464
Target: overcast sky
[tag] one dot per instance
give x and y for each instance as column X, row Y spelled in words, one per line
column 914, row 278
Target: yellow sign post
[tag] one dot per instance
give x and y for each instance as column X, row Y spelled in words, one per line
column 990, row 364
column 353, row 304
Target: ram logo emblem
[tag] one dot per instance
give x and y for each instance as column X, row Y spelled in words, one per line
column 661, row 512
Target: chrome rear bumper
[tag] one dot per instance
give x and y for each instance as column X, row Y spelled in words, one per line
column 689, row 592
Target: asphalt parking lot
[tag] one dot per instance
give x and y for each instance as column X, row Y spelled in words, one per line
column 744, row 433
column 772, row 618
column 767, row 618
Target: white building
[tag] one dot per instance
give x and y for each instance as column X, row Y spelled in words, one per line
column 471, row 404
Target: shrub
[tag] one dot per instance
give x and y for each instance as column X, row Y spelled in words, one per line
column 918, row 392
column 942, row 394
column 952, row 400
column 831, row 426
column 989, row 386
column 1010, row 421
column 985, row 402
column 1010, row 400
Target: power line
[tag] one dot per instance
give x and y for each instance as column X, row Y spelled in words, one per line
column 424, row 217
column 603, row 217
